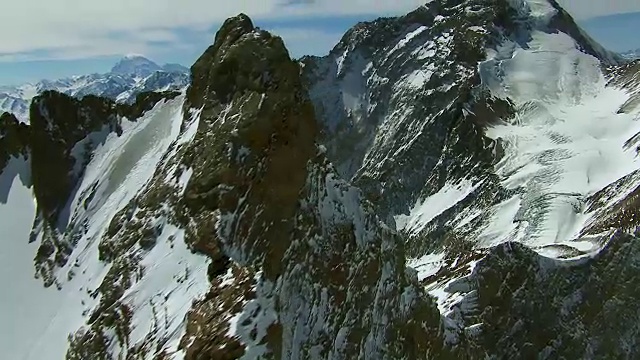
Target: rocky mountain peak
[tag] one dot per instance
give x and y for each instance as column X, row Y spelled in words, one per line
column 276, row 206
column 457, row 183
column 250, row 90
column 227, row 67
column 233, row 28
column 14, row 139
column 136, row 65
column 8, row 123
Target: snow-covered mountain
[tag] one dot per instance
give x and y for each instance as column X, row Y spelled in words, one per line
column 135, row 65
column 632, row 54
column 130, row 76
column 457, row 183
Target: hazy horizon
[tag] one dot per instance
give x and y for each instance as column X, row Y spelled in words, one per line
column 615, row 32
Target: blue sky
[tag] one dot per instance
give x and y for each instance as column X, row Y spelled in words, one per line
column 79, row 37
column 304, row 36
column 617, row 32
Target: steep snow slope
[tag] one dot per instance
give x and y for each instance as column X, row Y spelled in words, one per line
column 170, row 276
column 566, row 141
column 22, row 294
column 485, row 131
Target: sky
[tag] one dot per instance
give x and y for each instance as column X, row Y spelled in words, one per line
column 67, row 37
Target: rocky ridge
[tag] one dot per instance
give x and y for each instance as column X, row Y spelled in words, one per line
column 281, row 209
column 631, row 54
column 371, row 92
column 129, row 77
column 411, row 110
column 265, row 215
column 58, row 144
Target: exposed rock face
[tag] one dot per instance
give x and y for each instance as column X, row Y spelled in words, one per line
column 58, row 122
column 277, row 207
column 14, row 139
column 401, row 102
column 61, row 137
column 128, row 78
column 524, row 305
column 384, row 202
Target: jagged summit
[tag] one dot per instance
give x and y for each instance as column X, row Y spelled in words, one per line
column 131, row 76
column 136, row 65
column 514, row 17
column 14, row 139
column 221, row 62
column 456, row 183
column 233, row 28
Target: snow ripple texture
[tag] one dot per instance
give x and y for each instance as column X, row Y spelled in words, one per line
column 568, row 140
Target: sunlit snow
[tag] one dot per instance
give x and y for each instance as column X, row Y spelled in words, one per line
column 120, row 168
column 428, row 209
column 566, row 143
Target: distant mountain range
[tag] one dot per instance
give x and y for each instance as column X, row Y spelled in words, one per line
column 460, row 182
column 132, row 75
column 631, row 54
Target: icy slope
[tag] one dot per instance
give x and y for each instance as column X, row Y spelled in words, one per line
column 473, row 124
column 566, row 141
column 22, row 294
column 563, row 149
column 170, row 276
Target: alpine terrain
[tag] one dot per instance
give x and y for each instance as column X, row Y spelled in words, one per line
column 132, row 75
column 461, row 182
column 632, row 54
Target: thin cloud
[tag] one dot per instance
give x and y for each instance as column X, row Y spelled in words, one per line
column 76, row 23
column 64, row 29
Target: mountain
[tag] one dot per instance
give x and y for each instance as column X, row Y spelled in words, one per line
column 132, row 75
column 457, row 183
column 631, row 54
column 175, row 68
column 135, row 65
